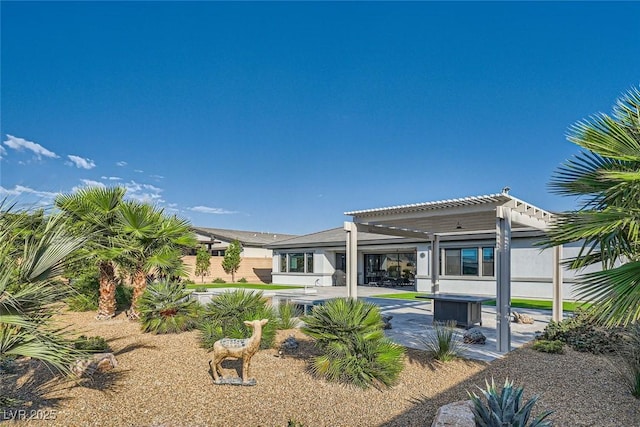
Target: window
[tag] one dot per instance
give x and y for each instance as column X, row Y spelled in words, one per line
column 464, row 262
column 452, row 262
column 470, row 262
column 487, row 262
column 296, row 263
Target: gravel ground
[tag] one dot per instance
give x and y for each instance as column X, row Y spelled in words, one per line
column 165, row 381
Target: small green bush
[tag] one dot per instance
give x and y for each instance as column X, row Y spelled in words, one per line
column 546, row 346
column 289, row 315
column 224, row 317
column 504, row 408
column 95, row 344
column 201, row 289
column 188, row 282
column 165, row 308
column 242, row 280
column 354, row 348
column 124, row 295
column 219, row 280
column 82, row 302
column 581, row 333
column 444, row 343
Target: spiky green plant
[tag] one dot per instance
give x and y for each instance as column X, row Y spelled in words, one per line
column 444, row 343
column 504, row 409
column 224, row 316
column 29, row 291
column 354, row 348
column 626, row 360
column 289, row 315
column 165, row 308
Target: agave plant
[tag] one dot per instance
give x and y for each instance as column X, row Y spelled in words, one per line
column 504, row 409
column 354, row 348
column 224, row 316
column 165, row 308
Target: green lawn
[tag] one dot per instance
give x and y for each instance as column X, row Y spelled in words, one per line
column 243, row 286
column 515, row 302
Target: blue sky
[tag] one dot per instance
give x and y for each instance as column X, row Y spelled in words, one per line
column 281, row 116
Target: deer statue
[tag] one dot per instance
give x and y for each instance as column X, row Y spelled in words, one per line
column 239, row 348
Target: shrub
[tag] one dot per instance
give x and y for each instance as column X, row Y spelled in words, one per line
column 95, row 344
column 242, row 280
column 219, row 280
column 546, row 346
column 201, row 289
column 188, row 282
column 289, row 314
column 224, row 317
column 444, row 343
column 81, row 302
column 504, row 408
column 165, row 308
column 581, row 333
column 354, row 349
column 124, row 295
column 626, row 360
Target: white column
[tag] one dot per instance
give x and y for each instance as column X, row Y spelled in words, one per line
column 557, row 284
column 352, row 259
column 503, row 279
column 435, row 264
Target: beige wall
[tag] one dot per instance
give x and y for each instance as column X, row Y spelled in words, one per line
column 255, row 270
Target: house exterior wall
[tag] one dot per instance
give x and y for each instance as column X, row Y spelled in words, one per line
column 531, row 268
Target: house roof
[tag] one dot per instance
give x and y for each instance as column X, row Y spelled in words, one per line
column 247, row 238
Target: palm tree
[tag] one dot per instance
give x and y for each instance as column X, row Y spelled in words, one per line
column 605, row 177
column 94, row 210
column 29, row 266
column 154, row 243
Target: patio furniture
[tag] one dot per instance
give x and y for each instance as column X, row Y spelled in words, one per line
column 465, row 310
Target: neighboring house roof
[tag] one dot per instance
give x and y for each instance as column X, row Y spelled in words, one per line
column 247, row 238
column 338, row 237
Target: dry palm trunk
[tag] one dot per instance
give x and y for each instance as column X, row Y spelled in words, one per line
column 139, row 286
column 107, row 300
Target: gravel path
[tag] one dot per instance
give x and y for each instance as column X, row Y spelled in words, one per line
column 165, row 381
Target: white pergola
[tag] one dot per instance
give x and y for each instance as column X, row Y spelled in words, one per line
column 495, row 213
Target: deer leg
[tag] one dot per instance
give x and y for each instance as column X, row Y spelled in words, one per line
column 245, row 369
column 216, row 367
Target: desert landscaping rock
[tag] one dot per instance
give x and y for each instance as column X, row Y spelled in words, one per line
column 164, row 380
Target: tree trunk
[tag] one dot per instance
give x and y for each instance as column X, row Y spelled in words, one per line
column 107, row 299
column 233, row 276
column 139, row 286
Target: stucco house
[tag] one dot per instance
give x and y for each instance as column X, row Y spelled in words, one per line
column 256, row 257
column 465, row 245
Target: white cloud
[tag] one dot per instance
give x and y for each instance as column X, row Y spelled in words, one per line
column 21, row 144
column 3, row 152
column 88, row 183
column 19, row 190
column 209, row 210
column 156, row 176
column 145, row 193
column 111, row 178
column 81, row 162
column 121, row 163
column 138, row 170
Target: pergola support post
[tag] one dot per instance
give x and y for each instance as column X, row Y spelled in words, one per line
column 556, row 314
column 352, row 259
column 435, row 264
column 503, row 279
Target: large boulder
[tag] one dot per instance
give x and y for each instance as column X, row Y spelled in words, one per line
column 456, row 414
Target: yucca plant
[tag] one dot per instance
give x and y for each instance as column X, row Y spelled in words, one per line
column 165, row 308
column 223, row 317
column 504, row 408
column 289, row 314
column 444, row 343
column 354, row 348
